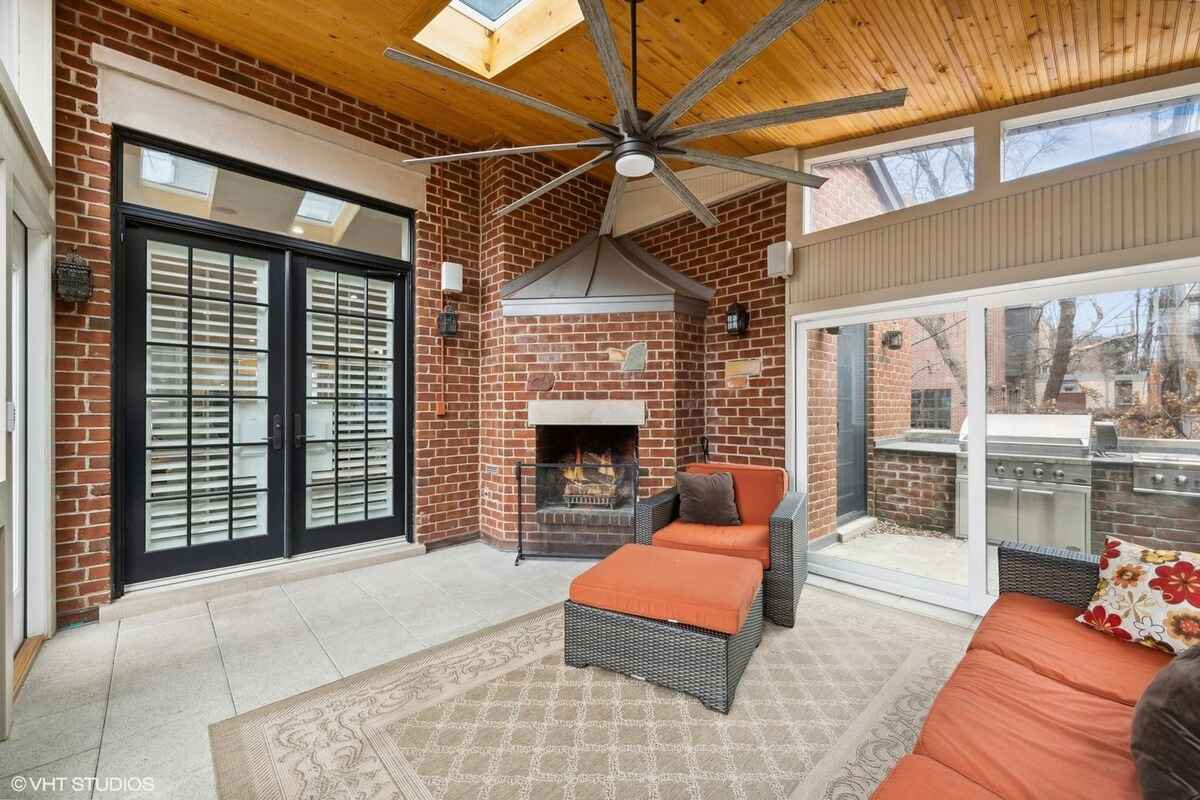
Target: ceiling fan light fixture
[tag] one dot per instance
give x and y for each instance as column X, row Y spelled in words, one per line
column 635, row 165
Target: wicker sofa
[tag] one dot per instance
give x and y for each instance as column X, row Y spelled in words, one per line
column 774, row 530
column 1041, row 706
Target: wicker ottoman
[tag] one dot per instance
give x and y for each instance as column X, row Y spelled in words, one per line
column 687, row 621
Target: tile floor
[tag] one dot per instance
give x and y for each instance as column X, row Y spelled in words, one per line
column 134, row 698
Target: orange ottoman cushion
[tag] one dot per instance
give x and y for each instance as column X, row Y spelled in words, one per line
column 711, row 592
column 921, row 778
column 756, row 490
column 739, row 541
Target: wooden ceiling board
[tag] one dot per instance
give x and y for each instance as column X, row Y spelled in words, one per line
column 955, row 57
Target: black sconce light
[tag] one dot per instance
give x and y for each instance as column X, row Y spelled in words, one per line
column 73, row 278
column 447, row 321
column 893, row 340
column 737, row 319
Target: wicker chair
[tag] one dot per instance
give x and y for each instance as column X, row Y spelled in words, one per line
column 1065, row 576
column 788, row 527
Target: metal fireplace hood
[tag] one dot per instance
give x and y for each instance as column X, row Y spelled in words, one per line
column 603, row 275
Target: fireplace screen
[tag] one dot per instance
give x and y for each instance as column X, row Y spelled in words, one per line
column 578, row 498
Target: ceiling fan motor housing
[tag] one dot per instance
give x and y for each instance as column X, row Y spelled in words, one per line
column 634, row 157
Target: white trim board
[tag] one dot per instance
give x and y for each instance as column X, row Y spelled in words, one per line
column 145, row 97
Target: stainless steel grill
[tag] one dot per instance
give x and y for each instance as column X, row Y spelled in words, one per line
column 1039, row 479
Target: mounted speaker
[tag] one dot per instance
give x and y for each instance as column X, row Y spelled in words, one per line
column 779, row 259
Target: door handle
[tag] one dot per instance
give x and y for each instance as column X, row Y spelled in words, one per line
column 297, row 431
column 277, row 432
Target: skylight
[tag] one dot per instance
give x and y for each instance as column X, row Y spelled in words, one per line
column 168, row 171
column 319, row 208
column 489, row 13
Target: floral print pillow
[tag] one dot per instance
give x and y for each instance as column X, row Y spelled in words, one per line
column 1147, row 596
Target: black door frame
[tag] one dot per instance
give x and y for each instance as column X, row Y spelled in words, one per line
column 124, row 213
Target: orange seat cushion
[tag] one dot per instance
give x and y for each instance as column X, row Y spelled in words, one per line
column 739, row 541
column 1044, row 636
column 921, row 778
column 711, row 592
column 756, row 490
column 1024, row 736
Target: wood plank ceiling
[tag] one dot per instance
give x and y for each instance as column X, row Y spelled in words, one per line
column 955, row 57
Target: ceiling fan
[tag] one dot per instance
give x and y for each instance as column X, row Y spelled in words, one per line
column 639, row 140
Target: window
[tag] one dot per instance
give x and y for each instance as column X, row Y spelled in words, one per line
column 860, row 187
column 489, row 36
column 1030, row 149
column 489, row 13
column 931, row 409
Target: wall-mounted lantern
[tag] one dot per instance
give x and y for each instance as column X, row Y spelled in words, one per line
column 447, row 321
column 73, row 278
column 737, row 320
column 893, row 340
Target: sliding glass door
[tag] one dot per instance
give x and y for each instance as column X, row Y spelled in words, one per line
column 261, row 403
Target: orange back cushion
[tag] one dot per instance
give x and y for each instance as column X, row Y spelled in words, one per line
column 756, row 490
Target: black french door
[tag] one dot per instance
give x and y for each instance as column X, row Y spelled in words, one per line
column 262, row 408
column 346, row 404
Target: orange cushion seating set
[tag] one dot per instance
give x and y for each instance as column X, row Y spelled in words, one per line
column 1041, row 706
column 773, row 531
column 683, row 606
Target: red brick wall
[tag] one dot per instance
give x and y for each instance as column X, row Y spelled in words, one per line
column 744, row 425
column 446, row 470
column 889, row 395
column 914, row 489
column 510, row 246
column 822, row 433
column 849, row 195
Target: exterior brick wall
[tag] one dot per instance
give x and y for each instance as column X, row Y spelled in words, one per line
column 743, row 425
column 849, row 194
column 446, row 468
column 822, row 434
column 889, row 397
column 914, row 489
column 1159, row 521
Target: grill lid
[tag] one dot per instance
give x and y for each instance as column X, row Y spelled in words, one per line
column 1063, row 430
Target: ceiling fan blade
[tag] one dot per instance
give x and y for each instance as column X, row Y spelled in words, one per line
column 746, row 165
column 610, row 207
column 753, row 42
column 614, row 71
column 590, row 144
column 677, row 187
column 494, row 88
column 786, row 116
column 554, row 184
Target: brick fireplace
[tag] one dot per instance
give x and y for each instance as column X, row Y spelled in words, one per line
column 603, row 358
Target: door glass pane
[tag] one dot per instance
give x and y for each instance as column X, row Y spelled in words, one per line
column 250, row 279
column 322, row 336
column 166, row 319
column 250, row 467
column 249, row 421
column 166, row 422
column 250, row 326
column 1093, row 426
column 887, row 472
column 210, row 372
column 166, row 525
column 351, row 332
column 210, row 422
column 318, row 506
column 210, row 273
column 166, row 473
column 322, row 379
column 319, row 424
column 379, row 459
column 249, row 515
column 166, row 370
column 166, row 268
column 322, row 288
column 350, row 419
column 379, row 299
column 210, row 322
column 250, row 373
column 210, row 519
column 379, row 378
column 350, row 377
column 379, row 499
column 352, row 460
column 350, row 502
column 318, row 460
column 351, row 294
column 379, row 418
column 210, row 470
column 379, row 339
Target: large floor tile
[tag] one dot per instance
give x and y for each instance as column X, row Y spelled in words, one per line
column 367, row 646
column 167, row 754
column 335, row 605
column 257, row 678
column 49, row 692
column 51, row 737
column 67, row 778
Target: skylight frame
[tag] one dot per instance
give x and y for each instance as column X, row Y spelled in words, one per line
column 492, row 25
column 338, row 208
column 207, row 171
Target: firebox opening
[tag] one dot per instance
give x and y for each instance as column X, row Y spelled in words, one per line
column 586, row 466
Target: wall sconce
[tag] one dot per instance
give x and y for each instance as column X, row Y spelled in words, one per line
column 737, row 319
column 893, row 340
column 73, row 278
column 447, row 321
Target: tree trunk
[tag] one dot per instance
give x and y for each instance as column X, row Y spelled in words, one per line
column 1064, row 340
column 935, row 329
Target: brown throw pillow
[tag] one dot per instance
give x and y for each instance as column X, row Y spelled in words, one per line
column 707, row 499
column 1166, row 731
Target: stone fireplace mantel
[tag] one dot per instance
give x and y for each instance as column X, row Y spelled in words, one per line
column 587, row 412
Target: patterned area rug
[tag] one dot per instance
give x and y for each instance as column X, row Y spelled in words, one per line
column 823, row 711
